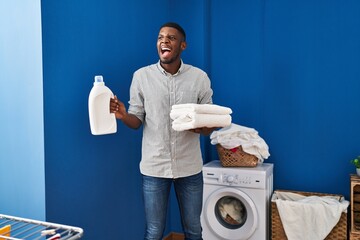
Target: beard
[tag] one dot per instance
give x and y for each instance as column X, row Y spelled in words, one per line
column 167, row 61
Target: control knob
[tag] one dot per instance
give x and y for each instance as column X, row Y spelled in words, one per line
column 230, row 179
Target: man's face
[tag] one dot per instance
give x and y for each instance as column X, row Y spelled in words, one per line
column 170, row 44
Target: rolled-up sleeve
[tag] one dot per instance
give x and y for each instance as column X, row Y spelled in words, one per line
column 136, row 102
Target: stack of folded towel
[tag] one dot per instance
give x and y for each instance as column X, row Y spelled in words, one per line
column 190, row 116
column 235, row 135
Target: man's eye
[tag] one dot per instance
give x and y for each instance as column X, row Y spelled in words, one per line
column 172, row 38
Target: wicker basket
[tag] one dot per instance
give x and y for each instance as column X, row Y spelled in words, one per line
column 339, row 232
column 354, row 236
column 236, row 157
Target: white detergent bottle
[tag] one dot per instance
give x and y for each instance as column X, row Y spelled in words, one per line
column 101, row 120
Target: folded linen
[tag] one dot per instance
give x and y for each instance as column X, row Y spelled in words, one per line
column 201, row 108
column 197, row 120
column 311, row 217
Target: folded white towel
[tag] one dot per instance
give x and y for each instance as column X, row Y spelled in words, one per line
column 190, row 116
column 195, row 120
column 174, row 114
column 201, row 108
column 310, row 217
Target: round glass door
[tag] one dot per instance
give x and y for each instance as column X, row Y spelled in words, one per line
column 231, row 214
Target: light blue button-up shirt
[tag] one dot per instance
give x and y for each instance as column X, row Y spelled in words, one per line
column 165, row 152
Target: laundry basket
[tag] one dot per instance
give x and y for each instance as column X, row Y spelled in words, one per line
column 339, row 232
column 16, row 228
column 236, row 157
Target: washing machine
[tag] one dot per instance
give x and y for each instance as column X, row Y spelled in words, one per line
column 236, row 202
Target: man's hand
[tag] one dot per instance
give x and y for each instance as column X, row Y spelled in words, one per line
column 203, row 131
column 118, row 108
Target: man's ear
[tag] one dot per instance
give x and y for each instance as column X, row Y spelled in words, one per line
column 183, row 45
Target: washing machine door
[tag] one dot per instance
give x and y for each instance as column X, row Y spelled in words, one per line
column 230, row 214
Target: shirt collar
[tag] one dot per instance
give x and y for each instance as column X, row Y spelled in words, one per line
column 163, row 71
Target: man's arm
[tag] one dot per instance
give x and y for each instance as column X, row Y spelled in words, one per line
column 119, row 109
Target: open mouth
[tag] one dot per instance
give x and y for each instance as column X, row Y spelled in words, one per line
column 165, row 51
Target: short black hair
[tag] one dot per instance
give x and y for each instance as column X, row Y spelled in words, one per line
column 176, row 26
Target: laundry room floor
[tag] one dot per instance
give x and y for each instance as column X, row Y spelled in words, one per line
column 174, row 236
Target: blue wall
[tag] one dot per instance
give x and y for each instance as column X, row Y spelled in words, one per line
column 311, row 67
column 22, row 177
column 94, row 181
column 289, row 69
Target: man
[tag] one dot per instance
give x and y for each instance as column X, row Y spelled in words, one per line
column 168, row 156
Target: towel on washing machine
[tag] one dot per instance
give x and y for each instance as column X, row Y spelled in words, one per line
column 248, row 138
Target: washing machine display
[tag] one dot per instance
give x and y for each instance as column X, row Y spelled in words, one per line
column 236, row 202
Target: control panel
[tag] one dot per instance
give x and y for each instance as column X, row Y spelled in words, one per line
column 257, row 177
column 234, row 179
column 239, row 180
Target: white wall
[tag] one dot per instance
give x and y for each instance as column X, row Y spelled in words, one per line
column 22, row 177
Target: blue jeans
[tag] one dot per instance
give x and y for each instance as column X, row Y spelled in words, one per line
column 189, row 194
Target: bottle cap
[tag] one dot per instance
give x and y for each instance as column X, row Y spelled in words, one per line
column 99, row 79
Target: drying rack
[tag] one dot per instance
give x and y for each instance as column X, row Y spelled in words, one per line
column 16, row 228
